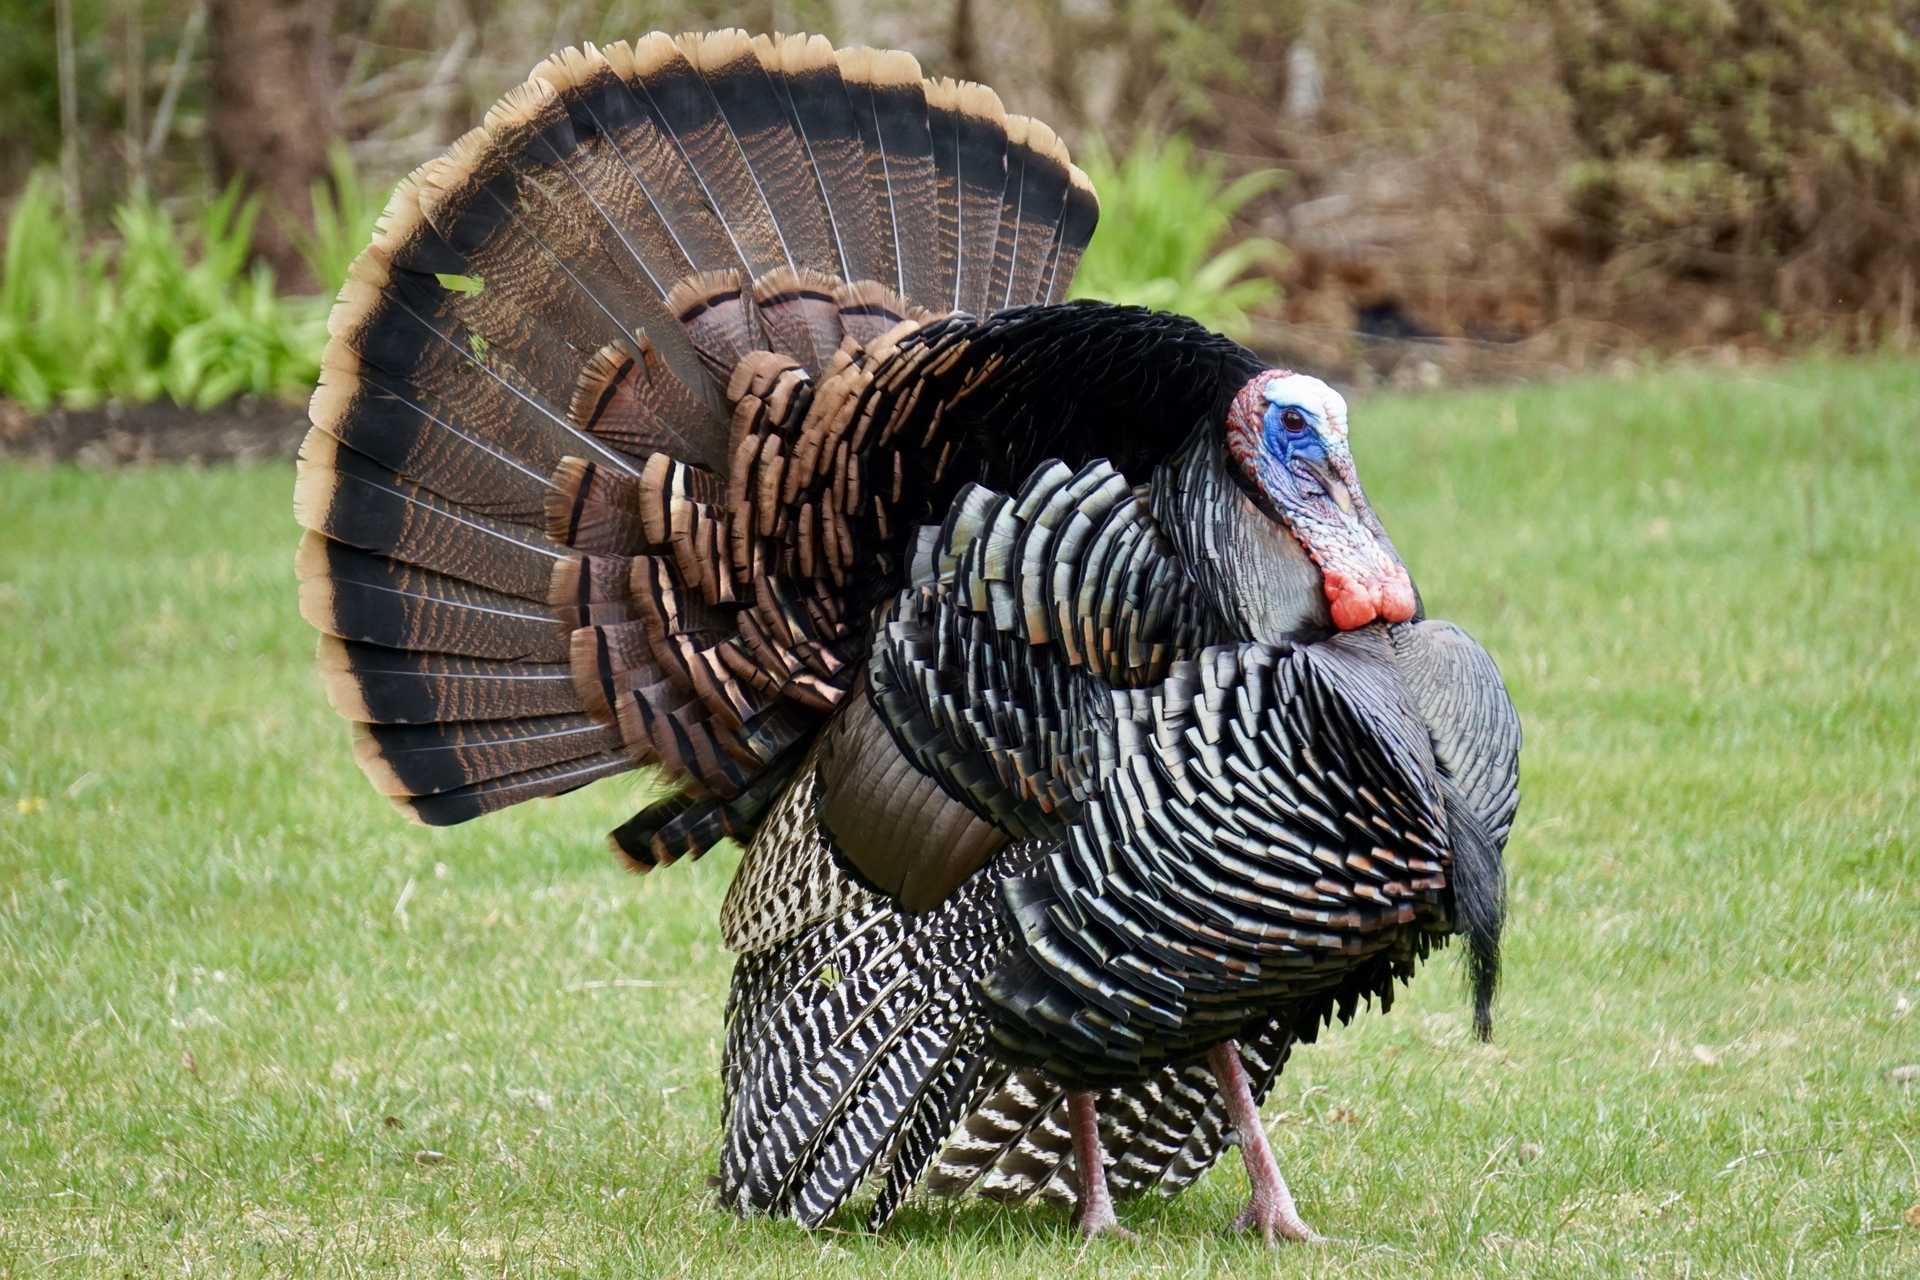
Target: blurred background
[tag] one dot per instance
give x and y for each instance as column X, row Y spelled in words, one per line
column 1388, row 191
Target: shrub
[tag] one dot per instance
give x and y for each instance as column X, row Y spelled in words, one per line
column 49, row 299
column 1766, row 146
column 174, row 312
column 1161, row 217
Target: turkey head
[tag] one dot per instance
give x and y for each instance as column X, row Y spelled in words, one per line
column 1287, row 438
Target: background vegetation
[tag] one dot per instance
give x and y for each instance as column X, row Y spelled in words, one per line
column 1569, row 181
column 166, row 311
column 1162, row 215
column 257, row 1025
column 1771, row 149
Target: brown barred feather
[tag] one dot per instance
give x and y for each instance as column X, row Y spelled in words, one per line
column 890, row 106
column 970, row 128
column 800, row 315
column 684, row 107
column 1037, row 178
column 375, row 684
column 592, row 509
column 592, row 590
column 633, row 402
column 716, row 309
column 770, row 150
column 1082, row 210
column 806, row 77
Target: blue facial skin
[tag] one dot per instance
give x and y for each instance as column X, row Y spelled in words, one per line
column 1295, row 451
column 1303, row 441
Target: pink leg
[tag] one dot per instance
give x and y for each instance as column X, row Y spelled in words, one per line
column 1271, row 1207
column 1096, row 1202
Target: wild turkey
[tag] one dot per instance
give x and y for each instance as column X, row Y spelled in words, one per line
column 1080, row 719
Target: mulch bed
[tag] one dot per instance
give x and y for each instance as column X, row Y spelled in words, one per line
column 244, row 432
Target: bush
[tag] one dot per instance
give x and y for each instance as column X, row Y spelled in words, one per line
column 1161, row 216
column 171, row 312
column 1766, row 146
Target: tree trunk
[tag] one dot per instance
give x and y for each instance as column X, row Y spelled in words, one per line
column 963, row 43
column 271, row 112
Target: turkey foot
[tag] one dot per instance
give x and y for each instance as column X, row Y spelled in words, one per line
column 1271, row 1206
column 1096, row 1202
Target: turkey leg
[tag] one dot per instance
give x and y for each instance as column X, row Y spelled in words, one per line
column 1096, row 1202
column 1271, row 1206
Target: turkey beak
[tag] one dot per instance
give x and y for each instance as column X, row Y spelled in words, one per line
column 1336, row 487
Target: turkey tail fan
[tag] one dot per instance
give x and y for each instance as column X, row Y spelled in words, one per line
column 683, row 824
column 634, row 840
column 431, row 759
column 1038, row 174
column 630, row 400
column 374, row 684
column 943, row 134
column 572, row 508
column 970, row 148
column 1077, row 221
column 806, row 74
column 770, row 150
column 663, row 71
column 355, row 596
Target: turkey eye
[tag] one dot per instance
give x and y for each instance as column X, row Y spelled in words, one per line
column 1293, row 420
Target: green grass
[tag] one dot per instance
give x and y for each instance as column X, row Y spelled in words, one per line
column 224, row 963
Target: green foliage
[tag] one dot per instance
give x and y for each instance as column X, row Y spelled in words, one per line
column 49, row 299
column 172, row 311
column 225, row 961
column 1162, row 216
column 344, row 213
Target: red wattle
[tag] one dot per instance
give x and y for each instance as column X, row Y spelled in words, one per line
column 1357, row 602
column 1395, row 596
column 1352, row 602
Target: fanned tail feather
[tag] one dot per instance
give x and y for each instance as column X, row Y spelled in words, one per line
column 591, row 363
column 806, row 77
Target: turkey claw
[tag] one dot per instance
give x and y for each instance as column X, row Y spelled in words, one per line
column 1273, row 1218
column 1101, row 1222
column 1111, row 1229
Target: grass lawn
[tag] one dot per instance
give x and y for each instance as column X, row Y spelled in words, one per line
column 255, row 1024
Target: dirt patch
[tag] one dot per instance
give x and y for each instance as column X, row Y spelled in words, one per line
column 244, row 432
